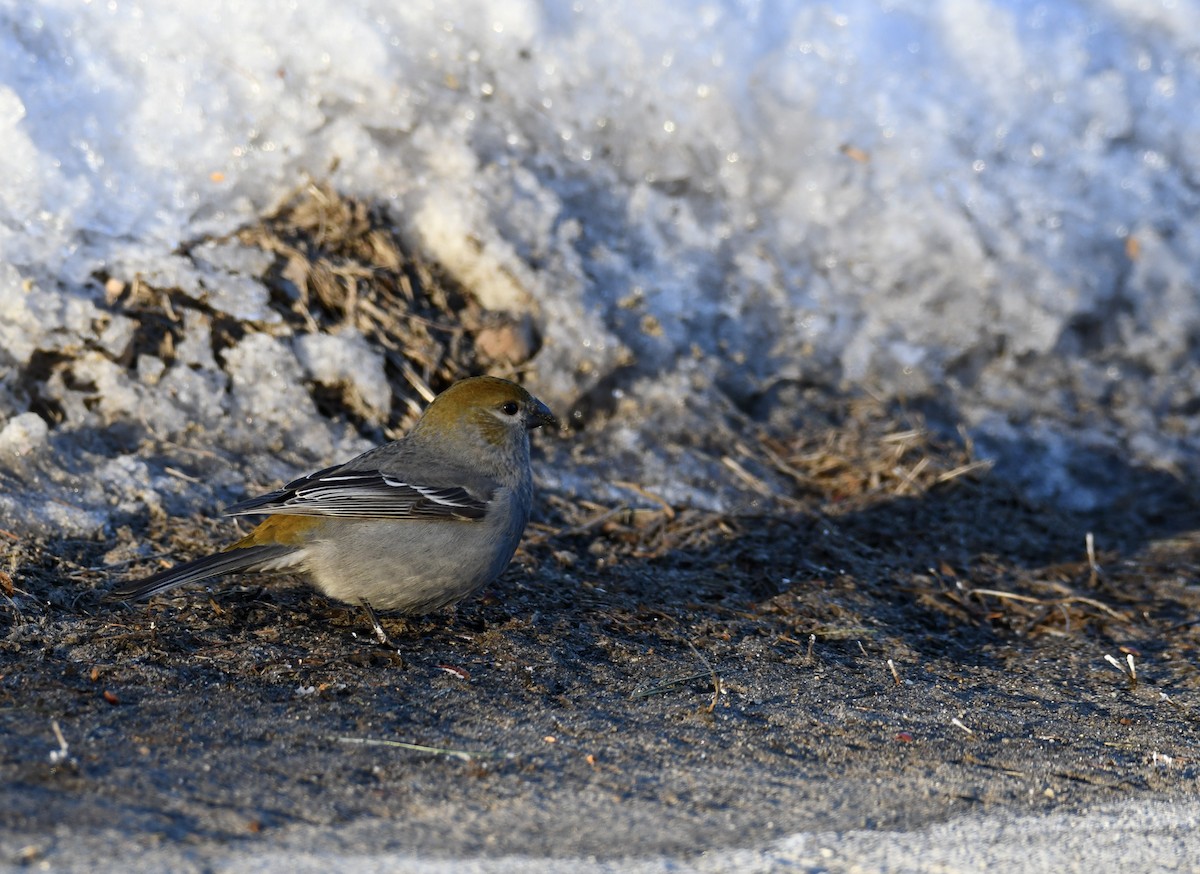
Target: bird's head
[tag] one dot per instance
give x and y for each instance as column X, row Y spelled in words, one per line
column 498, row 411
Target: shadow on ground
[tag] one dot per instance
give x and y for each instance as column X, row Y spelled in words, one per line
column 645, row 680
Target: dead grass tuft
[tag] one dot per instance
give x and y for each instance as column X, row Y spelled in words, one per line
column 870, row 452
column 340, row 262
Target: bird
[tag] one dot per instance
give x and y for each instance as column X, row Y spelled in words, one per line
column 409, row 526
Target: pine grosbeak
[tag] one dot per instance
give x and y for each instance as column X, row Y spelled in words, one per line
column 410, row 526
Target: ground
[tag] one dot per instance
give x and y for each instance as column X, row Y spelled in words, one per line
column 893, row 638
column 662, row 681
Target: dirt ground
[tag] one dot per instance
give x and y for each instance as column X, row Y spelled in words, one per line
column 649, row 681
column 894, row 638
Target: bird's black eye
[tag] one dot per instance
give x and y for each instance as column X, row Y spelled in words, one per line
column 511, row 408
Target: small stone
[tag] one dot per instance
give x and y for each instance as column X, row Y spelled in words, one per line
column 508, row 343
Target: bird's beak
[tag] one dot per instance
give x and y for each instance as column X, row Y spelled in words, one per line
column 540, row 415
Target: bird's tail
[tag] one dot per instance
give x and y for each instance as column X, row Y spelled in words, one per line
column 236, row 559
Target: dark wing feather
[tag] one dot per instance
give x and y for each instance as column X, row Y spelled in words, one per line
column 365, row 493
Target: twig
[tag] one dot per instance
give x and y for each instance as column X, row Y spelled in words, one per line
column 1090, row 543
column 1098, row 605
column 584, row 527
column 63, row 753
column 668, row 510
column 415, row 380
column 179, row 474
column 1130, row 672
column 1071, row 599
column 784, row 467
column 716, row 681
column 756, row 484
column 996, row 593
column 668, row 685
column 908, row 478
column 465, row 755
column 901, row 436
column 963, row 470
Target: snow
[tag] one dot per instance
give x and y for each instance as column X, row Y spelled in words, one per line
column 984, row 207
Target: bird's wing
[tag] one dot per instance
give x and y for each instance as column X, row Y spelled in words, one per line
column 336, row 491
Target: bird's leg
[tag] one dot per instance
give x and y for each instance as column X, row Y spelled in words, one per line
column 380, row 634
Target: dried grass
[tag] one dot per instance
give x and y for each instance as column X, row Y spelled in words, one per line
column 340, row 262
